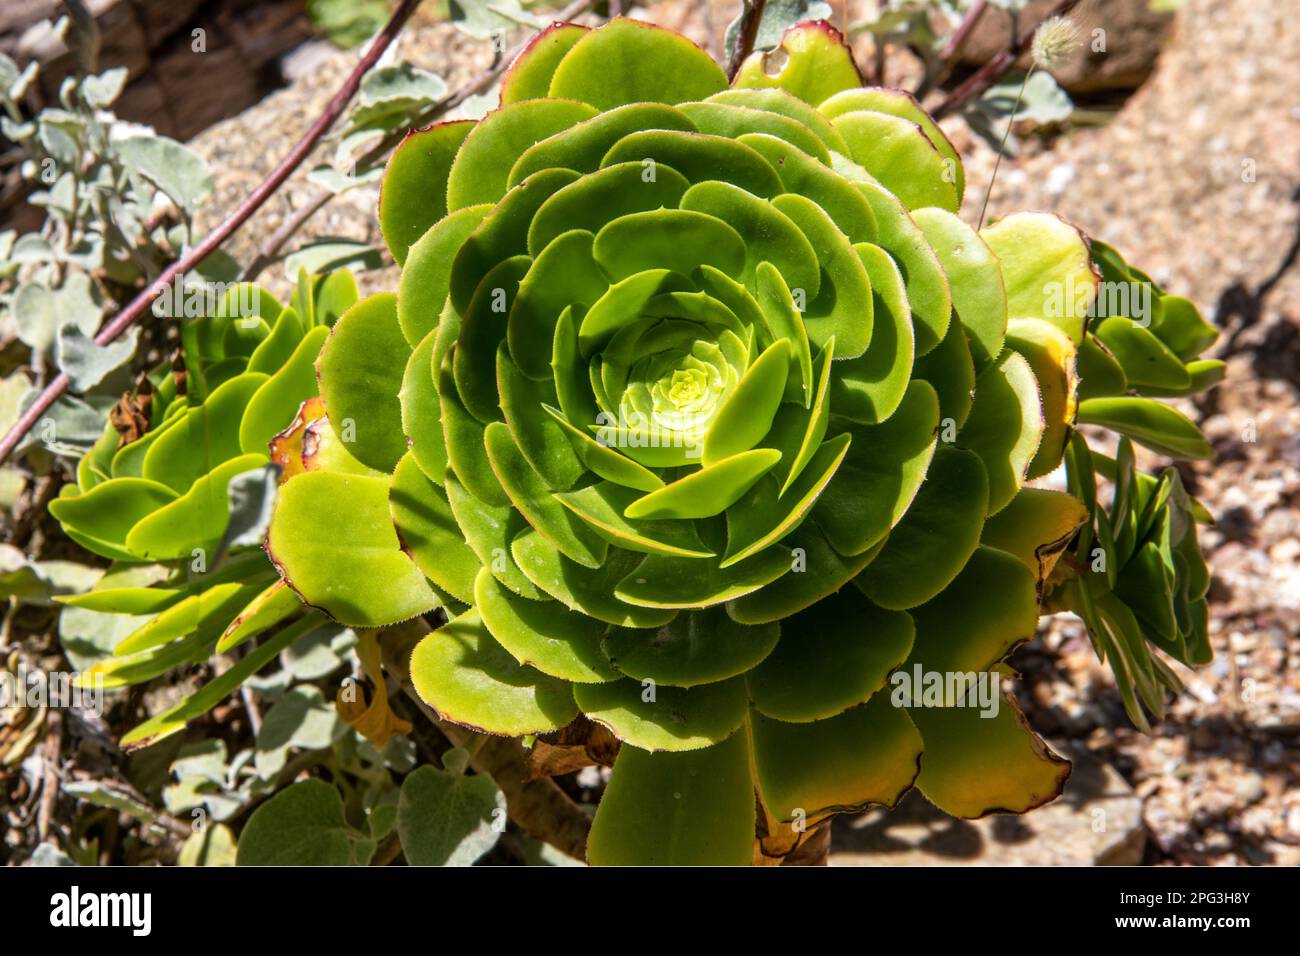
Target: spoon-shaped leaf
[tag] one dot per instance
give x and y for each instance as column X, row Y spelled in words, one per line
column 543, row 634
column 360, row 370
column 831, row 657
column 816, row 64
column 962, row 743
column 1154, row 424
column 1005, row 426
column 696, row 647
column 414, row 192
column 933, row 541
column 709, row 491
column 482, row 166
column 898, row 153
column 646, row 715
column 867, row 756
column 1046, row 268
column 630, row 61
column 427, row 529
column 468, row 678
column 332, row 538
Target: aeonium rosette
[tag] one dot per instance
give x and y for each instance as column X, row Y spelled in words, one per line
column 703, row 417
column 151, row 495
column 670, row 365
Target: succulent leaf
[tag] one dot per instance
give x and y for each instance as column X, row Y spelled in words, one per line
column 691, row 808
column 831, row 657
column 812, row 61
column 422, row 161
column 360, row 370
column 463, row 673
column 666, row 718
column 1046, row 269
column 333, row 539
column 934, row 539
column 962, row 744
column 866, row 756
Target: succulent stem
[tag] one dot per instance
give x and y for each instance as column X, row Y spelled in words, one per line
column 538, row 806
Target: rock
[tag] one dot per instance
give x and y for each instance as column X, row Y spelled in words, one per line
column 1249, row 788
column 1218, row 842
column 1282, row 855
column 171, row 49
column 1097, row 821
column 170, row 85
column 1132, row 36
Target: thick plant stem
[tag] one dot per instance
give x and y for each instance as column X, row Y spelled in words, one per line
column 191, row 260
column 779, row 843
column 540, row 807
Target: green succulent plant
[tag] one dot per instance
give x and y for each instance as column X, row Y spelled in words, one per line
column 146, row 489
column 701, row 416
column 152, row 494
column 1148, row 590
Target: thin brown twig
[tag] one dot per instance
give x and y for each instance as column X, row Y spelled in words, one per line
column 963, row 31
column 50, row 782
column 987, row 75
column 271, row 248
column 878, row 47
column 952, row 49
column 141, row 303
column 746, row 35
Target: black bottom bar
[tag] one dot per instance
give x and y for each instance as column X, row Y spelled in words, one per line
column 336, row 906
